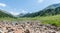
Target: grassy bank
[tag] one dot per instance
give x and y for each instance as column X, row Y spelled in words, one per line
column 53, row 20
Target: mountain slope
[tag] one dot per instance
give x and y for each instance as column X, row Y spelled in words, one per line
column 49, row 11
column 5, row 14
column 53, row 6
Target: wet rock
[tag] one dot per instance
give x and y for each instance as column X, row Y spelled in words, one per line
column 10, row 30
column 27, row 31
column 16, row 23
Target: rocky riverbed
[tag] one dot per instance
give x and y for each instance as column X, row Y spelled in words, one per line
column 27, row 27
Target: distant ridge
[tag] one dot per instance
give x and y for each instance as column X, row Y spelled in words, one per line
column 48, row 11
column 54, row 6
column 5, row 14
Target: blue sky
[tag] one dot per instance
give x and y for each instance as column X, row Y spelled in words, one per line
column 24, row 6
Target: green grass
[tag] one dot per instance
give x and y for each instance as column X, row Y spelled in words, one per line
column 53, row 20
column 7, row 19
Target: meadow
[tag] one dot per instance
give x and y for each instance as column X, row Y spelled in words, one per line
column 53, row 20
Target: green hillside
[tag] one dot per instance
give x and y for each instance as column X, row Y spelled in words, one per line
column 48, row 11
column 5, row 14
column 45, row 12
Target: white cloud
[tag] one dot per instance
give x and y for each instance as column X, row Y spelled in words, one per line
column 2, row 5
column 40, row 1
column 23, row 11
column 15, row 13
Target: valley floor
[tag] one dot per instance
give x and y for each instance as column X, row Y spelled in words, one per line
column 27, row 27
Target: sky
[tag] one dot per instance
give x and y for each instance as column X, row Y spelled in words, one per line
column 16, row 7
